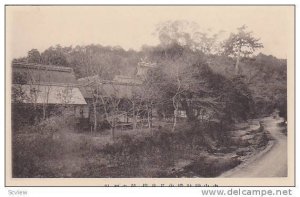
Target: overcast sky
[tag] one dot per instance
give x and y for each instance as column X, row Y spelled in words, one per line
column 131, row 27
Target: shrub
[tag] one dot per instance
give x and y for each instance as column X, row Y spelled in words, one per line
column 33, row 145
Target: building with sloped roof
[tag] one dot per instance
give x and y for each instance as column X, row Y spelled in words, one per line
column 120, row 89
column 108, row 88
column 45, row 86
column 123, row 79
column 143, row 67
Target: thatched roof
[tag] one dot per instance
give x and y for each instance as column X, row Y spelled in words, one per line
column 143, row 67
column 46, row 84
column 127, row 80
column 107, row 88
column 42, row 74
column 118, row 90
column 48, row 94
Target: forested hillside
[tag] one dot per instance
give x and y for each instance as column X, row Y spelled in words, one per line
column 195, row 70
column 198, row 111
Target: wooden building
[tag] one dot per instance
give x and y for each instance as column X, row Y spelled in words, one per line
column 44, row 88
column 121, row 88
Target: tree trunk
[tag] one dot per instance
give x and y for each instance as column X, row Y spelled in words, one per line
column 149, row 117
column 113, row 129
column 237, row 69
column 35, row 115
column 134, row 121
column 174, row 120
column 175, row 104
column 44, row 111
column 95, row 116
column 45, row 105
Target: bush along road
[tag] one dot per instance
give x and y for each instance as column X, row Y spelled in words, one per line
column 252, row 150
column 270, row 162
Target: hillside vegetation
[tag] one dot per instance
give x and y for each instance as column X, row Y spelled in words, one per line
column 218, row 83
column 225, row 75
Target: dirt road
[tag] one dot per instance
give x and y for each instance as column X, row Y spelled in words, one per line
column 271, row 162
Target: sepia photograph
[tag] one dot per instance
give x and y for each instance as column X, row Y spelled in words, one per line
column 133, row 95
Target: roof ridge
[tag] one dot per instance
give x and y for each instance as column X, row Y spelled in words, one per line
column 42, row 67
column 51, row 84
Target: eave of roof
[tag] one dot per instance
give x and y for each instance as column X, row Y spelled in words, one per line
column 45, row 94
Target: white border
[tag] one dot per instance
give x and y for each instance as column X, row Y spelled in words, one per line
column 127, row 191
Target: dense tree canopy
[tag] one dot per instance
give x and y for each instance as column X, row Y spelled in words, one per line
column 190, row 74
column 241, row 44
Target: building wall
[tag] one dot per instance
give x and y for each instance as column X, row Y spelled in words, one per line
column 82, row 111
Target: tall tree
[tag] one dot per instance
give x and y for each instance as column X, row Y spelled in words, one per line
column 187, row 34
column 241, row 44
column 34, row 56
column 54, row 56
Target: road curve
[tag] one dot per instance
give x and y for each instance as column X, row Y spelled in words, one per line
column 271, row 162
